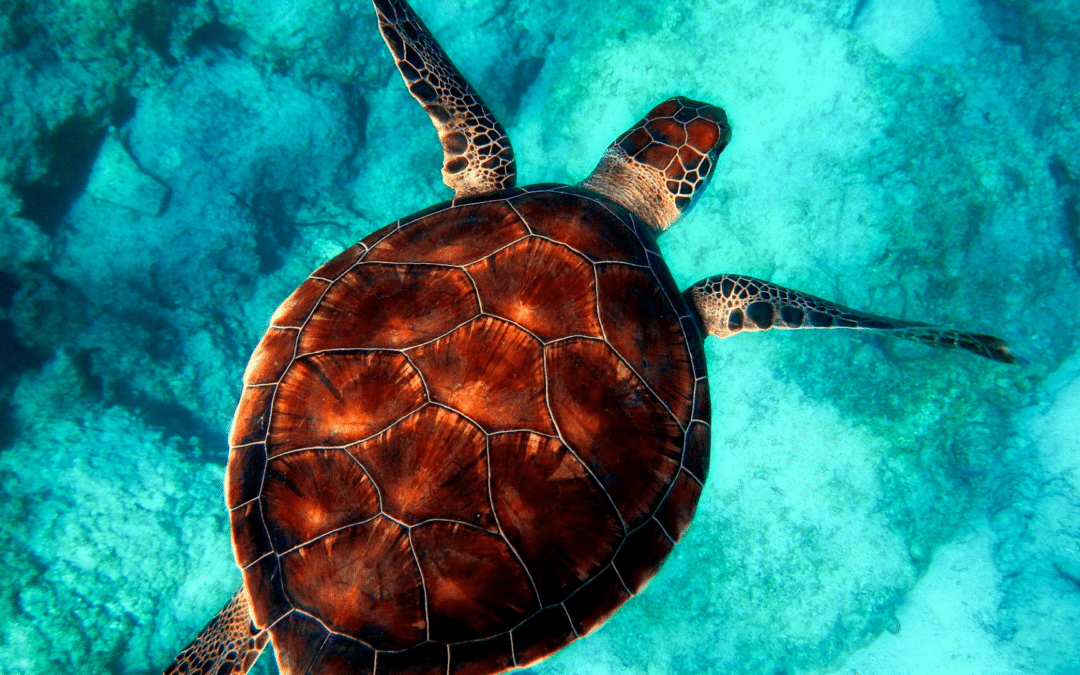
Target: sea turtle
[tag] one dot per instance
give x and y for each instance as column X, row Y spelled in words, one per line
column 467, row 440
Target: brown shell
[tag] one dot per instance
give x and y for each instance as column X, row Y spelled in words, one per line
column 466, row 441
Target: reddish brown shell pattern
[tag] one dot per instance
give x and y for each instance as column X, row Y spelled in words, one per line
column 467, row 440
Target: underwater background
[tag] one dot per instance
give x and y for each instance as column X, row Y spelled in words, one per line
column 172, row 170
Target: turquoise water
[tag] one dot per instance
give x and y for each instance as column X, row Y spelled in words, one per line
column 172, row 170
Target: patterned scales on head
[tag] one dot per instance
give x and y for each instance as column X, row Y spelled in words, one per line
column 505, row 432
column 469, row 439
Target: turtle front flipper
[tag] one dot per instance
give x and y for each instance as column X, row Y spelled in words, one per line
column 728, row 304
column 477, row 157
column 229, row 645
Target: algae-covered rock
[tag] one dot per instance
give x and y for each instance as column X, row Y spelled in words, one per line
column 118, row 180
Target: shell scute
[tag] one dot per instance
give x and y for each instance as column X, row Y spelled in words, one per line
column 272, row 356
column 456, row 236
column 547, row 289
column 337, row 266
column 475, row 585
column 677, row 509
column 263, row 581
column 244, row 474
column 298, row 638
column 433, row 464
column 389, row 306
column 491, row 371
column 341, row 655
column 641, row 554
column 553, row 512
column 339, row 398
column 297, row 307
column 642, row 325
column 547, row 631
column 482, row 657
column 250, row 541
column 594, row 603
column 696, row 454
column 310, row 493
column 582, row 223
column 429, row 658
column 622, row 432
column 348, row 577
column 252, row 417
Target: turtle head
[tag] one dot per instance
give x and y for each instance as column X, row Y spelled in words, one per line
column 661, row 164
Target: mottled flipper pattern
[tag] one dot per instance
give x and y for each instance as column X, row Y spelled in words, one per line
column 729, row 304
column 477, row 157
column 229, row 645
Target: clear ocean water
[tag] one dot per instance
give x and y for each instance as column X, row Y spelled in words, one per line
column 172, row 170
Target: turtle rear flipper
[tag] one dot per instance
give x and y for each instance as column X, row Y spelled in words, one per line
column 477, row 157
column 229, row 645
column 728, row 304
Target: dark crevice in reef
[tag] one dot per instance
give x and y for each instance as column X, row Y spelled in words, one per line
column 357, row 111
column 16, row 358
column 70, row 151
column 83, row 363
column 168, row 417
column 1068, row 186
column 275, row 227
column 172, row 419
column 58, row 311
column 153, row 23
column 9, row 286
column 24, row 27
column 152, row 333
column 856, row 11
column 525, row 73
column 1007, row 23
column 213, row 35
column 122, row 109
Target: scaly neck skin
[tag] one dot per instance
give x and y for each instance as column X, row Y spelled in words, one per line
column 639, row 188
